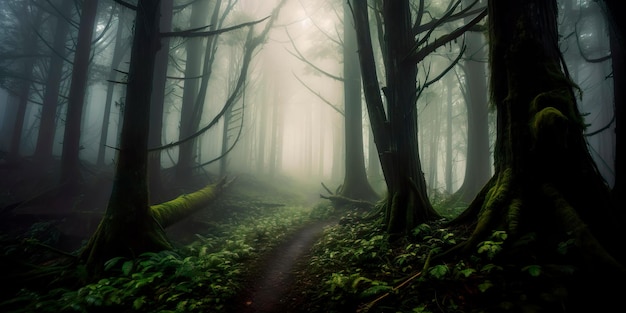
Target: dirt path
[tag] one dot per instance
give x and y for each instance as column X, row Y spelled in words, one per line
column 276, row 276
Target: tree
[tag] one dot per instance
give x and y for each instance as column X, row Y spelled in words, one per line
column 193, row 100
column 22, row 73
column 70, row 161
column 158, row 100
column 618, row 46
column 355, row 184
column 120, row 49
column 395, row 125
column 47, row 127
column 478, row 163
column 355, row 181
column 127, row 227
column 546, row 189
column 130, row 226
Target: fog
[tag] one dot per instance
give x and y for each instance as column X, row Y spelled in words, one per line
column 266, row 157
column 286, row 119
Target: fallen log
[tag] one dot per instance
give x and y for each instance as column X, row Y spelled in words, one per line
column 170, row 212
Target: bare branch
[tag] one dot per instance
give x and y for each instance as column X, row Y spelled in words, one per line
column 126, row 4
column 319, row 96
column 194, row 33
column 298, row 55
column 418, row 55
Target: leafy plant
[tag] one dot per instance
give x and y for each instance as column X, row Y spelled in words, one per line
column 492, row 247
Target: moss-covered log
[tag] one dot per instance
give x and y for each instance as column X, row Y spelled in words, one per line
column 170, row 212
column 128, row 231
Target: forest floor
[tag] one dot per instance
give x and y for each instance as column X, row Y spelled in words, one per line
column 270, row 245
column 250, row 241
column 270, row 285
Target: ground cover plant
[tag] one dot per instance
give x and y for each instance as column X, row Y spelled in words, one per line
column 355, row 267
column 201, row 274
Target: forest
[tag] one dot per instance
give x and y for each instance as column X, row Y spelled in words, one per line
column 311, row 156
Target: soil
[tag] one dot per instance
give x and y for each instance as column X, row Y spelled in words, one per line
column 270, row 287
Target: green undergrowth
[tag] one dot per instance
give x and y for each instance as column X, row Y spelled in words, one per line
column 356, row 268
column 200, row 276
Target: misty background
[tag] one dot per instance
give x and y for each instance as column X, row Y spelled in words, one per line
column 288, row 120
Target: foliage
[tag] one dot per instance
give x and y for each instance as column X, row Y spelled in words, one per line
column 355, row 266
column 199, row 277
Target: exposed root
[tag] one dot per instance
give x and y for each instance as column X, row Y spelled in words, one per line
column 495, row 199
column 569, row 221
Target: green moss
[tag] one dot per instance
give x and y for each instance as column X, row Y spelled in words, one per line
column 495, row 199
column 549, row 128
column 499, row 191
column 169, row 212
column 513, row 216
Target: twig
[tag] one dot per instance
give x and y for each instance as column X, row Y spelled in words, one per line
column 369, row 305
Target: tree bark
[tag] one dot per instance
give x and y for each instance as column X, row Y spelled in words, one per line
column 128, row 227
column 355, row 183
column 478, row 164
column 24, row 85
column 70, row 161
column 158, row 101
column 408, row 204
column 191, row 108
column 119, row 51
column 546, row 182
column 617, row 25
column 395, row 132
column 47, row 126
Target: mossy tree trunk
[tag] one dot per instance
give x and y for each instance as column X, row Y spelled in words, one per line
column 545, row 183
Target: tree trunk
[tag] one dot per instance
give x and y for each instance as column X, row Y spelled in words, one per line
column 158, row 100
column 8, row 120
column 191, row 107
column 617, row 25
column 128, row 227
column 26, row 78
column 118, row 54
column 355, row 183
column 478, row 162
column 70, row 162
column 22, row 103
column 449, row 168
column 276, row 135
column 546, row 182
column 408, row 203
column 225, row 141
column 262, row 125
column 47, row 127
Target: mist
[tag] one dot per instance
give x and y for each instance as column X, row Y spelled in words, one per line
column 264, row 123
column 289, row 102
